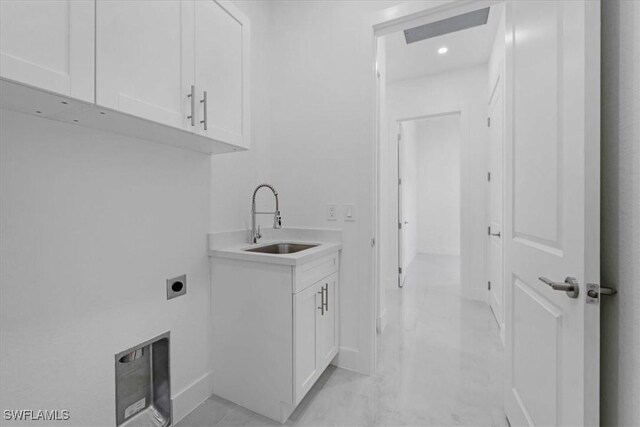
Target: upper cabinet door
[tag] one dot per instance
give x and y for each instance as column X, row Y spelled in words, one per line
column 222, row 41
column 49, row 45
column 144, row 64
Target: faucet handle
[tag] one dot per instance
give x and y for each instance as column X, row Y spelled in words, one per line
column 258, row 234
column 277, row 221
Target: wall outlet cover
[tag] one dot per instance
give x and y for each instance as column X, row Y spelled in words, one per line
column 332, row 212
column 177, row 286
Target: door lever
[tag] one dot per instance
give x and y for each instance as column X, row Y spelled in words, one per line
column 594, row 291
column 570, row 286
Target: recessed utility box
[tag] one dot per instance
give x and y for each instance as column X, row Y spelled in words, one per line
column 143, row 384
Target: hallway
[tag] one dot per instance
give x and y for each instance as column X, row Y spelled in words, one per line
column 439, row 364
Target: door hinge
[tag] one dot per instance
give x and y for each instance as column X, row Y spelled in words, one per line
column 373, row 241
column 489, row 231
column 488, row 176
column 399, row 181
column 399, row 270
column 489, row 285
column 488, row 121
column 399, row 137
column 399, row 226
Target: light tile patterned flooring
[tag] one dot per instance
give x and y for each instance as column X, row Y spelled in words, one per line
column 439, row 364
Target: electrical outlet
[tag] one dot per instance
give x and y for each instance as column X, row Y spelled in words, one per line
column 177, row 286
column 332, row 212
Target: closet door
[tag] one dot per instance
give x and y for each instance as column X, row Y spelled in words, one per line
column 144, row 59
column 49, row 45
column 222, row 40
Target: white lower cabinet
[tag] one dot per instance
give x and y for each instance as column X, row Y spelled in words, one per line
column 315, row 335
column 275, row 330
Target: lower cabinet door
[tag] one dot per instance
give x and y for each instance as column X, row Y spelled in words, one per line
column 307, row 313
column 327, row 335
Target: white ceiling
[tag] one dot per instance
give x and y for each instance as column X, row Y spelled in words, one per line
column 466, row 48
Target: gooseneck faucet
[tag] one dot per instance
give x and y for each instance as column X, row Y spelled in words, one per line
column 277, row 219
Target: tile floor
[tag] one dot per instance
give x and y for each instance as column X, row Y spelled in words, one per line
column 439, row 364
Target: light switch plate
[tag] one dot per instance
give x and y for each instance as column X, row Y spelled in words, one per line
column 332, row 212
column 349, row 211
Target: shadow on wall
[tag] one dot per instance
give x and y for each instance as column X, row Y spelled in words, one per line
column 620, row 354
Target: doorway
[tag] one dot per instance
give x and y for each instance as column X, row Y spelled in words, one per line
column 550, row 208
column 429, row 192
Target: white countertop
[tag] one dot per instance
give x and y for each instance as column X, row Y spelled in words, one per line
column 306, row 255
column 232, row 245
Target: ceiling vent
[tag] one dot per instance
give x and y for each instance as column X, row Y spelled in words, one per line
column 446, row 26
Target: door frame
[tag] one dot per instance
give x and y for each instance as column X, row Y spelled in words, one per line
column 462, row 114
column 497, row 85
column 382, row 23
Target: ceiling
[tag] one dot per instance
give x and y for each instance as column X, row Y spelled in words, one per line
column 466, row 48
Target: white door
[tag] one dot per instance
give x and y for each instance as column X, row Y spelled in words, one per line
column 144, row 59
column 551, row 226
column 401, row 270
column 496, row 134
column 49, row 45
column 327, row 322
column 222, row 37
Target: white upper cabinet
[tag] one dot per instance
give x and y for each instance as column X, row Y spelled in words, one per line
column 144, row 59
column 172, row 71
column 49, row 45
column 222, row 40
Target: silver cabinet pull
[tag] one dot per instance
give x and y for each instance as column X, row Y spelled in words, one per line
column 570, row 286
column 325, row 290
column 192, row 95
column 204, row 101
column 495, row 234
column 321, row 308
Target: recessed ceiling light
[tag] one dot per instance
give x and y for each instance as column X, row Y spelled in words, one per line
column 443, row 50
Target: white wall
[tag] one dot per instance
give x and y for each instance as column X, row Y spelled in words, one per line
column 410, row 185
column 620, row 249
column 459, row 90
column 92, row 224
column 439, row 186
column 235, row 175
column 322, row 142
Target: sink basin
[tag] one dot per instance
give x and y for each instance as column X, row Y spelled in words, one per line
column 282, row 248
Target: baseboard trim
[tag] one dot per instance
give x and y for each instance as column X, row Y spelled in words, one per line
column 348, row 358
column 476, row 295
column 191, row 396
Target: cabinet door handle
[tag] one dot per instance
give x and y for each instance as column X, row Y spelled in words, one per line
column 325, row 290
column 204, row 101
column 192, row 95
column 321, row 308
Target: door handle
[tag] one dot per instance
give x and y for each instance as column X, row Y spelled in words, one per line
column 192, row 95
column 321, row 308
column 495, row 234
column 594, row 291
column 204, row 101
column 570, row 286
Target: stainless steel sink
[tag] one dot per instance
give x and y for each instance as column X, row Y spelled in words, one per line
column 282, row 248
